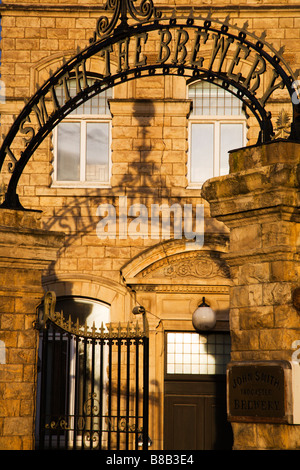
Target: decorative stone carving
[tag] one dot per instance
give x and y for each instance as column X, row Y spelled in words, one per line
column 188, row 265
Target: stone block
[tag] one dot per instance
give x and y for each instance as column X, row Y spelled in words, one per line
column 256, row 317
column 244, row 436
column 284, row 271
column 239, row 296
column 12, row 373
column 20, row 426
column 276, row 293
column 278, row 339
column 9, row 408
column 244, row 340
column 26, row 339
column 245, row 238
column 7, row 304
column 21, row 356
column 27, row 408
column 19, row 391
column 11, row 443
column 250, row 273
column 12, row 322
column 286, row 316
column 268, row 154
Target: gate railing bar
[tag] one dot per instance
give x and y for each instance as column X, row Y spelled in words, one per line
column 68, row 395
column 62, row 390
column 52, row 372
column 43, row 390
column 118, row 393
column 101, row 393
column 109, row 393
column 92, row 395
column 127, row 392
column 76, row 397
column 136, row 392
column 84, row 396
column 145, row 392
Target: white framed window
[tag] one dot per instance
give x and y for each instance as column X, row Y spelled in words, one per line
column 82, row 143
column 217, row 124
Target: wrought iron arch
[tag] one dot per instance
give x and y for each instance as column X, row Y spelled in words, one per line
column 127, row 22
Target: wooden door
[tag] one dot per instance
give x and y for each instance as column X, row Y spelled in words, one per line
column 195, row 416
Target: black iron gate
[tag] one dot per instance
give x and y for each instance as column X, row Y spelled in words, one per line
column 92, row 388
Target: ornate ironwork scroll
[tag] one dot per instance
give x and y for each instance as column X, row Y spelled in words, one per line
column 190, row 45
column 120, row 10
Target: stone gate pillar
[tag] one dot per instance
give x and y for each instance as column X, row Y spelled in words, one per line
column 259, row 203
column 25, row 251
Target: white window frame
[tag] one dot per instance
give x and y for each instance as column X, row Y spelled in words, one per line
column 83, row 119
column 216, row 120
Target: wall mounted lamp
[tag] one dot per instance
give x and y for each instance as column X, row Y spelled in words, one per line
column 204, row 317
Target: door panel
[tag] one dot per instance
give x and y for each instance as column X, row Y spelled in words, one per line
column 195, row 391
column 197, row 420
column 182, row 427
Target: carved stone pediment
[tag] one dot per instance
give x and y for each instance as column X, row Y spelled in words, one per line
column 177, row 267
column 187, row 267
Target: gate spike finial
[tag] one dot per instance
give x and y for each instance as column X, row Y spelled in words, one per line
column 227, row 20
column 191, row 15
column 245, row 25
column 77, row 326
column 263, row 35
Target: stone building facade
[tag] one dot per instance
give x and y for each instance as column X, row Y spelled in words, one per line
column 149, row 122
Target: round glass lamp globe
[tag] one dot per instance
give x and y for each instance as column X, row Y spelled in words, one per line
column 204, row 318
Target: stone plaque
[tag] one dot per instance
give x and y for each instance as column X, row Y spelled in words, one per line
column 259, row 391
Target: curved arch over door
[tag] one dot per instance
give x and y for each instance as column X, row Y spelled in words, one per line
column 180, row 42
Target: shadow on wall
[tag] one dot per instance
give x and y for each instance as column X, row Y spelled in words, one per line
column 144, row 183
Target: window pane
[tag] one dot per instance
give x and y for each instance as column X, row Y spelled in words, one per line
column 96, row 105
column 202, row 152
column 193, row 353
column 97, row 139
column 212, row 100
column 68, row 151
column 232, row 137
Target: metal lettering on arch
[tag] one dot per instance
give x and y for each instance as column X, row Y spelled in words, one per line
column 188, row 45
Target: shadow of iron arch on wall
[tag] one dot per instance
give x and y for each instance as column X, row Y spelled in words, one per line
column 187, row 45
